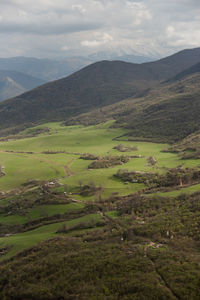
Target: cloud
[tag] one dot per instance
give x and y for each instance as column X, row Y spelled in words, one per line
column 101, row 39
column 55, row 20
column 75, row 27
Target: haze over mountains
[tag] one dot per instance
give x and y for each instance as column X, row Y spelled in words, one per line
column 46, row 69
column 133, row 57
column 13, row 83
column 38, row 71
column 108, row 82
column 49, row 69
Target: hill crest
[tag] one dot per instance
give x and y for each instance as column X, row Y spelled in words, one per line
column 95, row 86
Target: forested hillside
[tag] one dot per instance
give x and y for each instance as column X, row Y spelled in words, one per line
column 95, row 86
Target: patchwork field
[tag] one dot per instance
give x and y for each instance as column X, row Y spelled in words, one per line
column 49, row 165
column 67, row 167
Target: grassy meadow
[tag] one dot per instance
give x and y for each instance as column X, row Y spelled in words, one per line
column 22, row 241
column 76, row 140
column 55, row 155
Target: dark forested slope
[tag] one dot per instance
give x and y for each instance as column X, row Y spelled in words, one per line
column 168, row 112
column 97, row 85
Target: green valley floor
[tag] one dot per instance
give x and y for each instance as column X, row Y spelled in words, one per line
column 72, row 229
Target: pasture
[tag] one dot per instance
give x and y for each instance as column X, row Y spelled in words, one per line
column 55, row 155
column 21, row 241
column 68, row 168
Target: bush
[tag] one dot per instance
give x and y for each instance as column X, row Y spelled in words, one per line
column 123, row 148
column 108, row 161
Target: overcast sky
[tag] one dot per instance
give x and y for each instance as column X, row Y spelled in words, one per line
column 58, row 28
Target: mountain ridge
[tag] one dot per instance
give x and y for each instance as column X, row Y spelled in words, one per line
column 167, row 112
column 13, row 83
column 52, row 69
column 97, row 85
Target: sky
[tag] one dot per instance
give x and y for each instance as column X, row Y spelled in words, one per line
column 61, row 28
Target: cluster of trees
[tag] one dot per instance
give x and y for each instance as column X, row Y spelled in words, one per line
column 123, row 148
column 115, row 261
column 2, row 172
column 90, row 189
column 173, row 177
column 88, row 156
column 109, row 161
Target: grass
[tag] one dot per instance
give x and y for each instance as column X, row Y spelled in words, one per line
column 99, row 140
column 73, row 172
column 12, row 220
column 185, row 190
column 21, row 167
column 112, row 214
column 72, row 138
column 138, row 219
column 22, row 241
column 50, row 210
column 40, row 211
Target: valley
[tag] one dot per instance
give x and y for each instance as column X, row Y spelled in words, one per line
column 56, row 156
column 99, row 150
column 100, row 184
column 50, row 195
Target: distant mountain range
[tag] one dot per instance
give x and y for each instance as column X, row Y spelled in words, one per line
column 157, row 106
column 39, row 71
column 45, row 69
column 133, row 57
column 14, row 83
column 48, row 69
